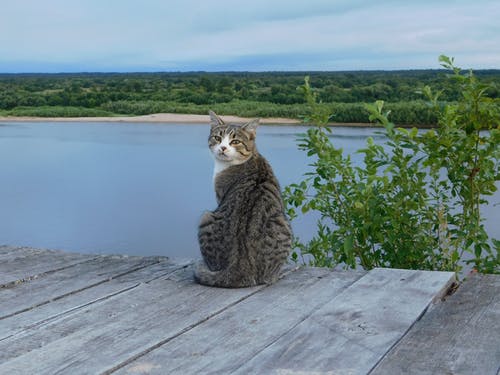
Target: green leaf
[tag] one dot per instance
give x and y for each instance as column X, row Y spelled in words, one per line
column 358, row 205
column 348, row 244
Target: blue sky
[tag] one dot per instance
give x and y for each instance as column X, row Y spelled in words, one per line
column 261, row 35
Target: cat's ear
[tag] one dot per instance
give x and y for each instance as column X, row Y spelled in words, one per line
column 214, row 119
column 251, row 126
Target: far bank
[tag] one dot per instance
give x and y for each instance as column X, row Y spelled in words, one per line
column 181, row 118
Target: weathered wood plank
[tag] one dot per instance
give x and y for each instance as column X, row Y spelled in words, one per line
column 229, row 340
column 96, row 314
column 9, row 252
column 6, row 249
column 55, row 285
column 352, row 332
column 25, row 264
column 83, row 298
column 459, row 336
column 107, row 333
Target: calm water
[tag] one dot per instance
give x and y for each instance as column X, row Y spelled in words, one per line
column 129, row 188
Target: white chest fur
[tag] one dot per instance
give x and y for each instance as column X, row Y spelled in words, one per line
column 219, row 166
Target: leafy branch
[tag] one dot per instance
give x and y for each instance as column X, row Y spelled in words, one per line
column 416, row 201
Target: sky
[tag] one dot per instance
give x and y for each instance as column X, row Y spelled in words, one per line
column 259, row 35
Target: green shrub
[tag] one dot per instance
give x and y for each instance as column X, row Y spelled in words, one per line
column 57, row 111
column 242, row 108
column 416, row 202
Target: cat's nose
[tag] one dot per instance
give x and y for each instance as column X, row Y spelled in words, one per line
column 223, row 148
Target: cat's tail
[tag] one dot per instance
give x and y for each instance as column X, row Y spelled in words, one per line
column 222, row 279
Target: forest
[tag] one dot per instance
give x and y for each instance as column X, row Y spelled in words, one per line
column 248, row 94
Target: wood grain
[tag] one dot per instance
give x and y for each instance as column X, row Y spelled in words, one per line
column 107, row 333
column 351, row 333
column 226, row 342
column 24, row 264
column 63, row 313
column 81, row 299
column 460, row 336
column 54, row 285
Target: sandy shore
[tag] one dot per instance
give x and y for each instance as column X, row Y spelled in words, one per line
column 158, row 117
column 168, row 118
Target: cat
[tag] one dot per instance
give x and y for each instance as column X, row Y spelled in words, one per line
column 247, row 239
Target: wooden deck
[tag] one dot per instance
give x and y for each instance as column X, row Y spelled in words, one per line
column 65, row 313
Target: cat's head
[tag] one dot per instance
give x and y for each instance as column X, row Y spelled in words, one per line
column 232, row 143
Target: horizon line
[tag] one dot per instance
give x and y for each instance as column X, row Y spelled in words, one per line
column 238, row 71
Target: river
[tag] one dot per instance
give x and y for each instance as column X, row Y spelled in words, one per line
column 131, row 188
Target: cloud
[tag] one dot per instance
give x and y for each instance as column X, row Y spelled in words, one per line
column 405, row 32
column 225, row 35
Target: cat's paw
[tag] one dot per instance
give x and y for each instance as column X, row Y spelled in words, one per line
column 200, row 269
column 199, row 264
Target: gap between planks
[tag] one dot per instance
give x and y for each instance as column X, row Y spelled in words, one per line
column 287, row 270
column 76, row 290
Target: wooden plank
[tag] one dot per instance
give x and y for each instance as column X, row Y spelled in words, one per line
column 70, row 303
column 458, row 336
column 228, row 341
column 109, row 332
column 352, row 332
column 26, row 263
column 6, row 249
column 9, row 252
column 55, row 285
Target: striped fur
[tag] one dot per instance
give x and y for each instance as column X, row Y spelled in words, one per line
column 247, row 238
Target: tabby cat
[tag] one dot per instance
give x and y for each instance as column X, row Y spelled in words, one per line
column 246, row 240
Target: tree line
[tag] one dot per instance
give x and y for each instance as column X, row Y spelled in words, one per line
column 264, row 94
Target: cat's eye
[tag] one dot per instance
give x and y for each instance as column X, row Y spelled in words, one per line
column 217, row 138
column 235, row 142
